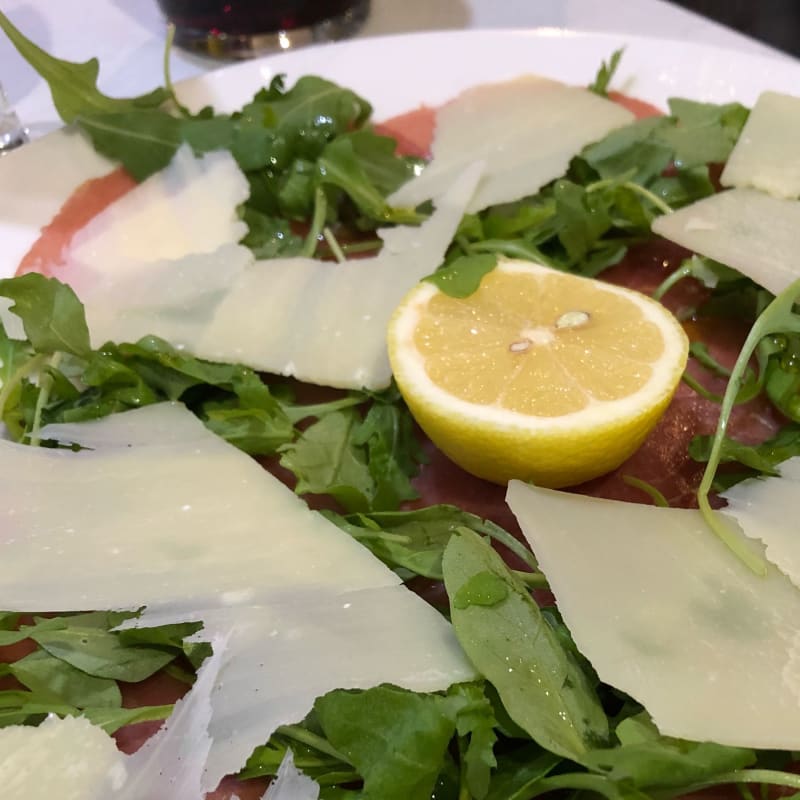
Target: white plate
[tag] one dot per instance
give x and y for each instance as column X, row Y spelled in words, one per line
column 398, row 73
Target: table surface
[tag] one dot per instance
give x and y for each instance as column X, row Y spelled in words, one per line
column 128, row 36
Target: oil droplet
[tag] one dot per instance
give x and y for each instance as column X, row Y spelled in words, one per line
column 482, row 589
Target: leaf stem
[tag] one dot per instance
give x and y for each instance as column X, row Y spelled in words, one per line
column 336, row 250
column 534, row 580
column 45, row 385
column 304, row 736
column 317, row 223
column 671, row 279
column 575, row 780
column 514, row 545
column 777, row 317
column 634, row 187
column 772, row 777
column 19, row 375
column 648, row 488
column 654, row 199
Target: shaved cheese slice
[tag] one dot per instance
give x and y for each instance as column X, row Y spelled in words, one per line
column 326, row 323
column 175, row 300
column 762, row 507
column 171, row 763
column 767, row 154
column 665, row 612
column 70, row 759
column 526, row 130
column 188, row 207
column 304, row 642
column 291, row 784
column 158, row 511
column 743, row 228
column 172, row 512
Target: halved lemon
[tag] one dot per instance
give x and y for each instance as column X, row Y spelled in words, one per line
column 539, row 374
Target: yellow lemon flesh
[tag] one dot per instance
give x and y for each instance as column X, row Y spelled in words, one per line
column 538, row 375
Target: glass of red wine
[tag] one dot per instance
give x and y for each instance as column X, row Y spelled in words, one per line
column 245, row 28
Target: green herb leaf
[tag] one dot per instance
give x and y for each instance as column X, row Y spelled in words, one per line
column 463, row 276
column 705, row 133
column 519, row 772
column 353, row 162
column 326, row 459
column 50, row 312
column 58, row 681
column 647, row 760
column 417, row 539
column 476, row 722
column 606, row 73
column 74, row 86
column 144, row 141
column 387, row 433
column 542, row 688
column 396, row 739
column 100, row 653
column 112, row 719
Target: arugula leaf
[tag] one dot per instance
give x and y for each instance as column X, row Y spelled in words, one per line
column 392, row 450
column 542, row 687
column 476, row 720
column 462, row 276
column 172, row 636
column 365, row 464
column 50, row 312
column 648, row 760
column 519, row 772
column 144, row 141
column 8, row 620
column 417, row 539
column 352, row 162
column 100, row 653
column 583, row 218
column 396, row 739
column 270, row 236
column 606, row 73
column 327, row 460
column 54, row 679
column 313, row 112
column 635, row 151
column 73, row 85
column 761, row 458
column 704, row 133
column 112, row 719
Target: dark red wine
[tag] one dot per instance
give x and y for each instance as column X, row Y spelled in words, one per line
column 252, row 17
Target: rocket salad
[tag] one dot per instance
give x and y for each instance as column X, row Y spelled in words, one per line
column 319, row 177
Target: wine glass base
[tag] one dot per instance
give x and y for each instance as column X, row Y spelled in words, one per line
column 250, row 45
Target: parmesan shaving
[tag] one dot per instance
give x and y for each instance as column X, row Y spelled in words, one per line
column 326, row 323
column 526, row 130
column 743, row 228
column 70, row 759
column 666, row 613
column 158, row 511
column 188, row 207
column 291, row 784
column 763, row 507
column 767, row 154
